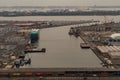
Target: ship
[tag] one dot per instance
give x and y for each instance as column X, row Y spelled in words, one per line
column 84, row 45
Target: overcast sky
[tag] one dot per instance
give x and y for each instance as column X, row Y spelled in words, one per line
column 59, row 2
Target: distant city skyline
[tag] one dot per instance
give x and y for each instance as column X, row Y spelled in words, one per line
column 59, row 2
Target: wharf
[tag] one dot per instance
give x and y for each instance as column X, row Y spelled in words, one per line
column 99, row 35
column 93, row 48
column 98, row 54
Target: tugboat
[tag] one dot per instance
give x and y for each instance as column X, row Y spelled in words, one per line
column 71, row 31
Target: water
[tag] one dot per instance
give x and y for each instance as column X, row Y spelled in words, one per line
column 62, row 51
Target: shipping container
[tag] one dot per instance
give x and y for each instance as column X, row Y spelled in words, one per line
column 16, row 74
column 28, row 74
column 104, row 74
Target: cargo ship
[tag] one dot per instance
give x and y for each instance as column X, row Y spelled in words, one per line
column 34, row 37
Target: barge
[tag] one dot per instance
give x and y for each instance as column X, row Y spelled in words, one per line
column 35, row 51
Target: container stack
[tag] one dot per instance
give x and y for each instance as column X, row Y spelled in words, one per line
column 112, row 51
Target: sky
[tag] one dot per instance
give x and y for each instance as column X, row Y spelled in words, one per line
column 59, row 2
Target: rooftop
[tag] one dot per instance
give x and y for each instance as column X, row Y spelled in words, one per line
column 115, row 36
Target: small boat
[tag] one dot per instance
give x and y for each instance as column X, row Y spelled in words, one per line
column 84, row 45
column 22, row 56
column 71, row 31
